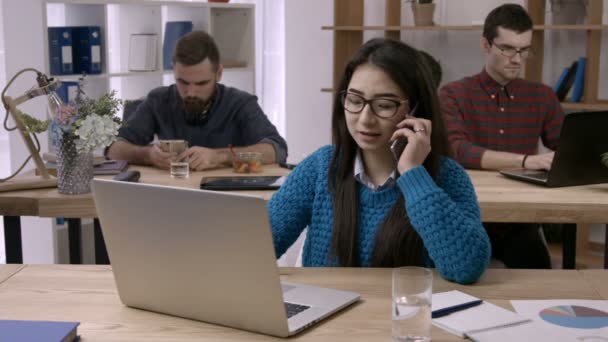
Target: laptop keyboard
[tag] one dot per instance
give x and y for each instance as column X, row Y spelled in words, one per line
column 294, row 309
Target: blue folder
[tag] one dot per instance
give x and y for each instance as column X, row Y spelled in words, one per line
column 579, row 80
column 174, row 30
column 60, row 50
column 87, row 49
column 67, row 91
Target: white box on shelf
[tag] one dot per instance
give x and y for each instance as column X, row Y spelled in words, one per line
column 142, row 52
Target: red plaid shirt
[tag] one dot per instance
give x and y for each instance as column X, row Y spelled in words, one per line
column 481, row 114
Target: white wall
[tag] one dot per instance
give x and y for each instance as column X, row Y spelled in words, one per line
column 5, row 163
column 308, row 68
column 22, row 29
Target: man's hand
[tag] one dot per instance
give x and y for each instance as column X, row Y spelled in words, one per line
column 539, row 161
column 158, row 158
column 202, row 158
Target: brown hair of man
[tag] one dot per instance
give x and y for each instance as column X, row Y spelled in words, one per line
column 194, row 48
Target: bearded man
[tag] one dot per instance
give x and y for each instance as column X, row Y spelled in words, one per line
column 210, row 116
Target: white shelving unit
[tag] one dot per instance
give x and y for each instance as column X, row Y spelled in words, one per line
column 231, row 25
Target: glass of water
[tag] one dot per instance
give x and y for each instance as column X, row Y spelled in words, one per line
column 411, row 310
column 180, row 167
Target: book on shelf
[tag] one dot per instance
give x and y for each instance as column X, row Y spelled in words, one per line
column 67, row 91
column 74, row 50
column 579, row 81
column 142, row 52
column 174, row 30
column 39, row 331
column 60, row 50
column 565, row 82
column 86, row 43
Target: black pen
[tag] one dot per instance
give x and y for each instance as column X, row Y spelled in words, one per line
column 455, row 308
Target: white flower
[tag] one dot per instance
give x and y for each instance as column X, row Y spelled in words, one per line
column 95, row 131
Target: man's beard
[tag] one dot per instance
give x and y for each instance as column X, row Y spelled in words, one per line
column 196, row 110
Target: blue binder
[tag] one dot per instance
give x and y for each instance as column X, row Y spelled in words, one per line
column 579, row 80
column 174, row 30
column 561, row 80
column 87, row 49
column 67, row 91
column 60, row 50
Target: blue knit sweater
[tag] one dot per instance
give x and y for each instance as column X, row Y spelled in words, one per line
column 445, row 214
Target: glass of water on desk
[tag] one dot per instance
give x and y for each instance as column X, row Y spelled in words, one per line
column 411, row 308
column 180, row 167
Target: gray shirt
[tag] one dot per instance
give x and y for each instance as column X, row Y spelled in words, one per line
column 234, row 118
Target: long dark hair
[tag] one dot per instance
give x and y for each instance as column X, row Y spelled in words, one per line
column 396, row 243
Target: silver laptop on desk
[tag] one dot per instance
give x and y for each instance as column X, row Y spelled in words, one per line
column 577, row 160
column 204, row 255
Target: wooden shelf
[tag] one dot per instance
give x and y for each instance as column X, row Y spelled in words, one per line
column 458, row 28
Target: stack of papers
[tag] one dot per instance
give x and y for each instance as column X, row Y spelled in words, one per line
column 535, row 320
column 486, row 318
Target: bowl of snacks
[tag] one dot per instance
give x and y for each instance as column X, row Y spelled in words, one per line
column 247, row 162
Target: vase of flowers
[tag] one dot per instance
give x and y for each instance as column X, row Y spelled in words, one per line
column 77, row 129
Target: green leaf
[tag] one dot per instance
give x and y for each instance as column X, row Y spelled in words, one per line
column 32, row 124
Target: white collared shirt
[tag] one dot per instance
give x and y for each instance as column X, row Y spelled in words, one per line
column 363, row 178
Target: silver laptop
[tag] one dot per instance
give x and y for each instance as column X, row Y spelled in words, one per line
column 204, row 255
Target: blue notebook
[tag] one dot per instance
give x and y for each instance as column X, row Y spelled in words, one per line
column 579, row 80
column 38, row 331
column 174, row 30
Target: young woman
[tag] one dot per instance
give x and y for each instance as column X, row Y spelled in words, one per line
column 367, row 206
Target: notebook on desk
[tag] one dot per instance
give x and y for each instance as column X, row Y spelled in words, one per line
column 204, row 255
column 577, row 160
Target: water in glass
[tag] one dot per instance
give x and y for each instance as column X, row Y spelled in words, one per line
column 412, row 318
column 180, row 169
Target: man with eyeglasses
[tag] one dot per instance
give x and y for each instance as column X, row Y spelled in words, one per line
column 494, row 121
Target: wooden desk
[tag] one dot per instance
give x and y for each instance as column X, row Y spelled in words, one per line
column 500, row 199
column 88, row 294
column 506, row 200
column 598, row 279
column 7, row 271
column 49, row 203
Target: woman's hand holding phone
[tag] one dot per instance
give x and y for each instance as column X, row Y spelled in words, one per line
column 416, row 133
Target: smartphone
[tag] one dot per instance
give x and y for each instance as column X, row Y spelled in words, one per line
column 287, row 166
column 397, row 147
column 165, row 145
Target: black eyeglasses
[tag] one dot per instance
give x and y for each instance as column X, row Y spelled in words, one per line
column 510, row 52
column 381, row 107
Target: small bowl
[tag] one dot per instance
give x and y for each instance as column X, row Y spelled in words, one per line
column 247, row 162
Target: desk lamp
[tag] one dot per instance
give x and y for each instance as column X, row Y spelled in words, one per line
column 45, row 86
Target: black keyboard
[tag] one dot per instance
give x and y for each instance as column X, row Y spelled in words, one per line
column 294, row 309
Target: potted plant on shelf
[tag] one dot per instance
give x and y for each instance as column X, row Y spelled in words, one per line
column 423, row 11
